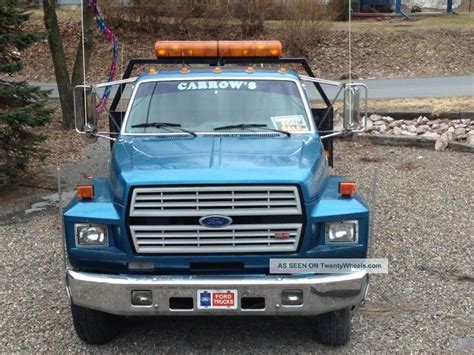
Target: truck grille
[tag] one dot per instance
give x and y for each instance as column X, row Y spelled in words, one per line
column 227, row 200
column 198, row 239
column 166, row 219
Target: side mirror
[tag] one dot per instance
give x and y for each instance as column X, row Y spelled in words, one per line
column 352, row 117
column 85, row 116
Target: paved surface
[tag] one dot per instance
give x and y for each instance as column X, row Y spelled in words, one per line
column 423, row 225
column 389, row 88
column 414, row 88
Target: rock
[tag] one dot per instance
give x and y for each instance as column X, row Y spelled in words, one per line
column 419, row 120
column 381, row 128
column 460, row 137
column 424, row 120
column 411, row 129
column 388, row 119
column 422, row 129
column 397, row 131
column 470, row 138
column 379, row 123
column 441, row 127
column 451, row 129
column 466, row 121
column 406, row 133
column 403, row 126
column 450, row 136
column 375, row 117
column 430, row 135
column 370, row 126
column 441, row 143
column 433, row 122
column 459, row 131
column 455, row 122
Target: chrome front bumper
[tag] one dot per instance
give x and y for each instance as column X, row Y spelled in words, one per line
column 321, row 293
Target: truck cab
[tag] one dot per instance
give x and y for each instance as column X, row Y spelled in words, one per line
column 218, row 172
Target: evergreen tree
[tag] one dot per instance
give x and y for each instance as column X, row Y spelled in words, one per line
column 22, row 107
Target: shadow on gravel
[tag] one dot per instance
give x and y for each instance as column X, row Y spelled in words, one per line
column 221, row 333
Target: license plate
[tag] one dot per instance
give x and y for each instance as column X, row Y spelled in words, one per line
column 217, row 299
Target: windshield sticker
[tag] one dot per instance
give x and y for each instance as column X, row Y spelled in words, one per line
column 294, row 123
column 213, row 85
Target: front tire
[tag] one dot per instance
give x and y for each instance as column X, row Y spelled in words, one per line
column 335, row 327
column 95, row 327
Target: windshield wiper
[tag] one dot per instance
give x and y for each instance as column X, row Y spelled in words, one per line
column 251, row 125
column 164, row 125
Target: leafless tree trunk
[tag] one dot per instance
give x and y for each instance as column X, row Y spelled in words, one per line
column 65, row 81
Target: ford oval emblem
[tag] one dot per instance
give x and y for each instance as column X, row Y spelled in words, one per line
column 215, row 221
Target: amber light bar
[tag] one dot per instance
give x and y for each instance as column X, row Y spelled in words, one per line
column 165, row 49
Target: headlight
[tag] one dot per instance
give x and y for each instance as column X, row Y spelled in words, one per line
column 91, row 234
column 342, row 232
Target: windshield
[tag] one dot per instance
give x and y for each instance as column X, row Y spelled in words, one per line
column 203, row 105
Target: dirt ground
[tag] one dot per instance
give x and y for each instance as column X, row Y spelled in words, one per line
column 64, row 147
column 435, row 46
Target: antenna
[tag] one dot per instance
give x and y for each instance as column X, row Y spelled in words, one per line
column 350, row 55
column 373, row 202
column 83, row 57
column 350, row 40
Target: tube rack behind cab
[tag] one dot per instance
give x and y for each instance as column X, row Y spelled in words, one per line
column 221, row 53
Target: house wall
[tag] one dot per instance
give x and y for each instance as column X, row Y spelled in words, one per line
column 431, row 4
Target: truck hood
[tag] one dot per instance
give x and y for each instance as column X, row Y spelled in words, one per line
column 150, row 160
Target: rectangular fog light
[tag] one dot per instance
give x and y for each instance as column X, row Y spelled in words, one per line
column 142, row 298
column 292, row 297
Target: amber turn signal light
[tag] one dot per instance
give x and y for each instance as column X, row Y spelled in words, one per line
column 347, row 188
column 85, row 192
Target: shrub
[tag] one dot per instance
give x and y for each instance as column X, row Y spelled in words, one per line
column 182, row 19
column 22, row 107
column 252, row 15
column 306, row 24
column 299, row 23
column 340, row 9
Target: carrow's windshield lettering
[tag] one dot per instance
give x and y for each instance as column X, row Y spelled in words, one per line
column 202, row 105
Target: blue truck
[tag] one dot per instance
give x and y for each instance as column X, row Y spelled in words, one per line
column 219, row 165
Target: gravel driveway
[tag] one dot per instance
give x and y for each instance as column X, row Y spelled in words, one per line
column 423, row 224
